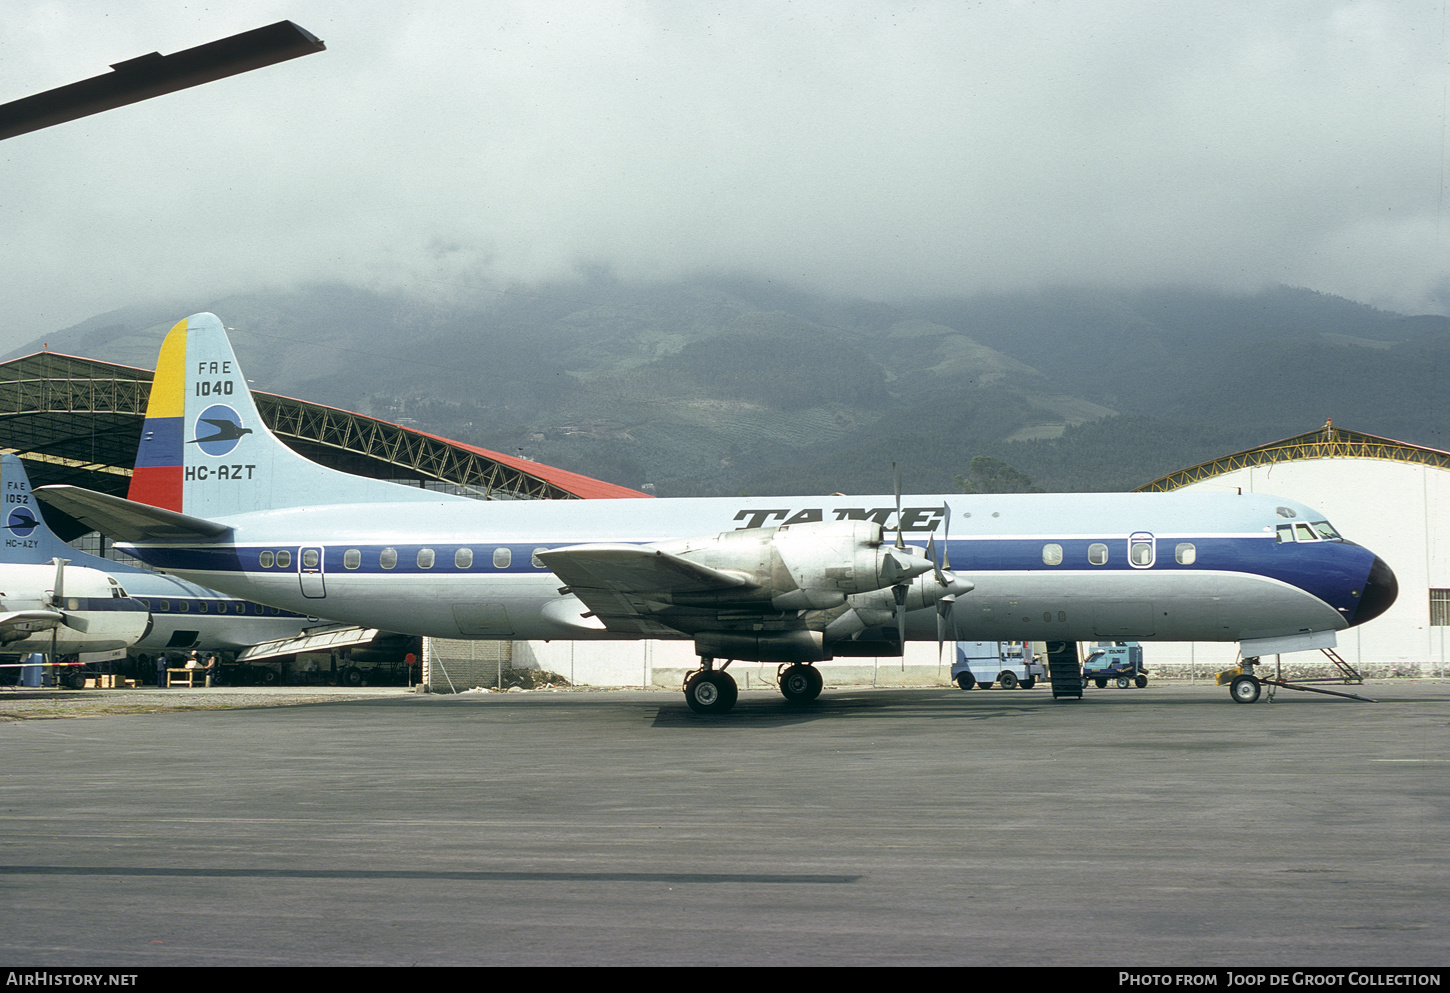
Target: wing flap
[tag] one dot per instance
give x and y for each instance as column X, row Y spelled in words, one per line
column 125, row 520
column 626, row 586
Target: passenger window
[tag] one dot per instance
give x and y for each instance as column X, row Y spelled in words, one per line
column 1052, row 554
column 388, row 558
column 164, row 604
column 352, row 558
column 183, row 606
column 1185, row 553
column 310, row 558
column 425, row 558
column 266, row 560
column 463, row 558
column 284, row 559
column 537, row 562
column 501, row 558
column 202, row 606
column 1098, row 553
column 1141, row 550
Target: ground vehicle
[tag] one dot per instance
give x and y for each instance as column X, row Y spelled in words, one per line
column 1118, row 660
column 1008, row 663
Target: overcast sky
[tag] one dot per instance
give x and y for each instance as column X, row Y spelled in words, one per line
column 882, row 149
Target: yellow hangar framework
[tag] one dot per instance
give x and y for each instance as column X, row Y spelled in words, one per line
column 78, row 421
column 1328, row 442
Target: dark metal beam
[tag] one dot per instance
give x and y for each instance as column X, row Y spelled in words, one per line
column 156, row 74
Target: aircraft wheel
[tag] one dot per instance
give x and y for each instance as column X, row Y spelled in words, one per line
column 76, row 680
column 966, row 680
column 1101, row 684
column 1244, row 689
column 710, row 691
column 801, row 683
column 1028, row 683
column 1123, row 682
column 1140, row 681
column 269, row 676
column 1007, row 680
column 351, row 676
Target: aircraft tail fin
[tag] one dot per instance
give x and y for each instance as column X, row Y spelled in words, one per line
column 26, row 538
column 205, row 451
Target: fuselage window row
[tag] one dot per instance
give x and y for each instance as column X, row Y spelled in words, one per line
column 388, row 558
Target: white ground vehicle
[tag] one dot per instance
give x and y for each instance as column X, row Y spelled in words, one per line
column 1010, row 664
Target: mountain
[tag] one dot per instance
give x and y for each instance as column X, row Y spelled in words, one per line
column 723, row 387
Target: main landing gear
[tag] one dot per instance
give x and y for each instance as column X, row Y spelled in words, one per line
column 800, row 683
column 709, row 690
column 713, row 691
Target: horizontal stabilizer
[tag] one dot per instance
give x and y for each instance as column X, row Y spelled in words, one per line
column 125, row 520
column 311, row 640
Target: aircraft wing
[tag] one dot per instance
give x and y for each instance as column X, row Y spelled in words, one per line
column 125, row 520
column 15, row 625
column 625, row 586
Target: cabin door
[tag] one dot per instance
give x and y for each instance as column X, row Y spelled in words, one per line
column 309, row 570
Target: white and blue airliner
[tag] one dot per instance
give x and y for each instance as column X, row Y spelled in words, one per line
column 217, row 499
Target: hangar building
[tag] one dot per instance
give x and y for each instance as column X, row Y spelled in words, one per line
column 78, row 421
column 1391, row 497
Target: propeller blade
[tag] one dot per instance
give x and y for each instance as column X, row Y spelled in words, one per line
column 944, row 611
column 58, row 593
column 946, row 536
column 899, row 593
column 896, row 488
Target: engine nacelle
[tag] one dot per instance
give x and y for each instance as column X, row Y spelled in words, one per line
column 812, row 566
column 782, row 646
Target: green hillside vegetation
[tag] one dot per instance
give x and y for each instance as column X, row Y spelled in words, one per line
column 727, row 387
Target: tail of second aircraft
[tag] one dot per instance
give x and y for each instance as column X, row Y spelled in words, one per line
column 206, row 453
column 26, row 539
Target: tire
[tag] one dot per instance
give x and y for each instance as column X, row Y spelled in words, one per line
column 76, row 680
column 269, row 676
column 1124, row 682
column 1007, row 680
column 966, row 680
column 351, row 676
column 1028, row 683
column 1101, row 684
column 710, row 691
column 1244, row 689
column 984, row 684
column 800, row 684
column 1140, row 681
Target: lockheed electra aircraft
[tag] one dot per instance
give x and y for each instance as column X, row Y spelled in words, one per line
column 61, row 609
column 184, row 615
column 216, row 498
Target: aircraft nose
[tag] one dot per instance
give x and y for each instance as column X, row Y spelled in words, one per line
column 1379, row 593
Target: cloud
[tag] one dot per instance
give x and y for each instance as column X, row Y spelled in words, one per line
column 875, row 148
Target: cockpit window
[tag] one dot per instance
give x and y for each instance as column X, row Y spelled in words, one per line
column 1302, row 532
column 1326, row 531
column 1283, row 533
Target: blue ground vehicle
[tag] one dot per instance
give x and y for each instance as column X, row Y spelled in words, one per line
column 1007, row 663
column 1117, row 660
